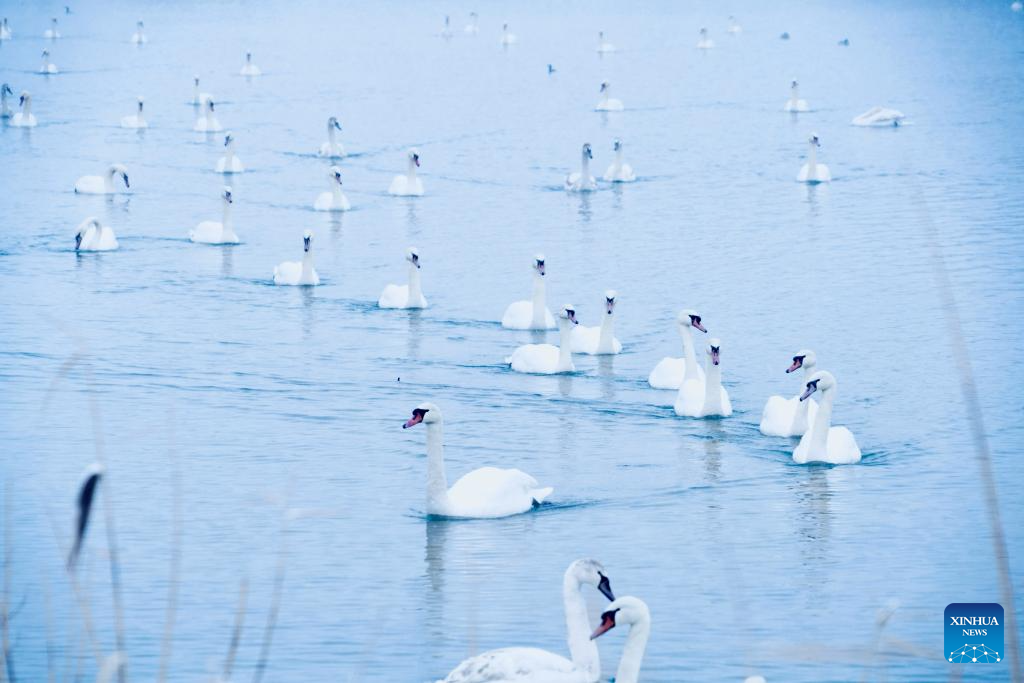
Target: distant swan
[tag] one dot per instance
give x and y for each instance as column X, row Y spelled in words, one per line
column 334, row 199
column 548, row 359
column 486, row 492
column 207, row 122
column 250, row 69
column 332, row 148
column 472, row 27
column 634, row 613
column 619, row 171
column 507, row 37
column 599, row 341
column 298, row 272
column 714, row 400
column 607, row 103
column 794, row 103
column 812, row 172
column 824, row 443
column 94, row 184
column 582, row 181
column 705, row 43
column 879, row 116
column 408, row 295
column 671, row 373
column 52, row 33
column 94, row 236
column 198, row 98
column 734, row 26
column 408, row 185
column 139, row 38
column 48, row 67
column 212, row 232
column 791, row 416
column 603, row 46
column 446, row 31
column 229, row 163
column 5, row 30
column 136, row 120
column 24, row 118
column 532, row 314
column 5, row 109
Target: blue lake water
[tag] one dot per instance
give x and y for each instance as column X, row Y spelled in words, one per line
column 266, row 398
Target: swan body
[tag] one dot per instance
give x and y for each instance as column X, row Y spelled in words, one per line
column 507, row 37
column 5, row 109
column 332, row 149
column 1016, row 6
column 599, row 341
column 603, row 46
column 408, row 185
column 812, row 172
column 487, row 492
column 880, row 117
column 532, row 314
column 823, row 442
column 94, row 236
column 734, row 27
column 139, row 38
column 794, row 103
column 334, row 199
column 713, row 401
column 48, row 67
column 619, row 171
column 52, row 33
column 547, row 359
column 212, row 232
column 408, row 295
column 607, row 102
column 705, row 43
column 207, row 122
column 198, row 98
column 582, row 181
column 791, row 416
column 472, row 27
column 300, row 273
column 229, row 163
column 24, row 118
column 5, row 30
column 94, row 184
column 632, row 612
column 671, row 373
column 250, row 69
column 136, row 120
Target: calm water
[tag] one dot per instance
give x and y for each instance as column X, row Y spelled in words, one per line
column 269, row 397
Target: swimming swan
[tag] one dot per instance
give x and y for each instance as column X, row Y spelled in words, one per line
column 791, row 416
column 335, row 199
column 298, row 272
column 794, row 103
column 5, row 109
column 212, row 232
column 734, row 26
column 207, row 122
column 229, row 163
column 136, row 120
column 671, row 373
column 250, row 69
column 48, row 67
column 408, row 185
column 52, row 33
column 486, row 492
column 94, row 236
column 24, row 118
column 94, row 184
column 824, row 443
column 603, row 46
column 332, row 148
column 548, row 359
column 705, row 43
column 446, row 31
column 507, row 37
column 5, row 30
column 880, row 116
column 632, row 612
column 582, row 181
column 409, row 295
column 812, row 172
column 139, row 38
column 473, row 27
column 198, row 98
column 532, row 314
column 607, row 103
column 520, row 664
column 619, row 171
column 714, row 400
column 599, row 341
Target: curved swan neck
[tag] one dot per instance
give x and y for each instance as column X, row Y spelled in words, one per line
column 633, row 653
column 411, row 172
column 822, row 423
column 437, row 482
column 607, row 338
column 336, row 193
column 330, row 135
column 712, row 387
column 690, row 357
column 307, row 265
column 564, row 344
column 539, row 302
column 582, row 650
column 108, row 181
column 585, row 165
column 415, row 290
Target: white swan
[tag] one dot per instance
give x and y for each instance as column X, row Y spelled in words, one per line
column 671, row 373
column 603, row 46
column 607, row 102
column 507, row 37
column 5, row 109
column 207, row 122
column 408, row 185
column 582, row 181
column 473, row 27
column 633, row 612
column 446, row 31
column 734, row 26
column 794, row 103
column 136, row 120
column 92, row 235
column 713, row 401
column 212, row 232
column 880, row 116
column 619, row 171
column 486, row 492
column 532, row 314
column 334, row 199
column 705, row 43
column 198, row 98
column 1016, row 6
column 824, row 443
column 812, row 172
column 332, row 148
column 520, row 664
column 94, row 184
column 5, row 30
column 599, row 341
column 250, row 69
column 791, row 416
column 52, row 33
column 298, row 272
column 408, row 295
column 48, row 67
column 139, row 38
column 24, row 118
column 548, row 359
column 229, row 163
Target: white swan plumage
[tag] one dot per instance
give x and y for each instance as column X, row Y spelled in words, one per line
column 812, row 172
column 607, row 102
column 52, row 33
column 823, row 442
column 599, row 340
column 198, row 98
column 332, row 149
column 5, row 109
column 250, row 69
column 48, row 67
column 791, row 416
column 298, row 273
column 212, row 232
column 582, row 181
column 94, row 184
column 139, row 38
column 484, row 493
column 507, row 37
column 229, row 163
column 670, row 372
column 334, row 199
column 634, row 613
column 603, row 46
column 91, row 235
column 408, row 184
column 446, row 30
column 207, row 122
column 5, row 30
column 409, row 295
column 880, row 117
column 619, row 171
column 734, row 26
column 1015, row 6
column 24, row 118
column 532, row 314
column 794, row 103
column 705, row 43
column 136, row 120
column 548, row 359
column 711, row 399
column 473, row 27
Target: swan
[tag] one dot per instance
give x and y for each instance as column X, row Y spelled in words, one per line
column 472, row 27
column 734, row 26
column 94, row 184
column 794, row 103
column 879, row 116
column 408, row 185
column 705, row 43
column 24, row 118
column 298, row 272
column 486, row 492
column 812, row 172
column 791, row 416
column 512, row 664
column 229, row 163
column 551, row 69
column 711, row 399
column 334, row 200
column 671, row 373
column 198, row 98
column 634, row 613
column 212, row 232
column 582, row 181
column 548, row 359
column 1016, row 6
column 507, row 37
column 136, row 120
column 446, row 32
column 250, row 69
column 409, row 295
column 139, row 38
column 532, row 314
column 5, row 30
column 207, row 122
column 599, row 341
column 52, row 33
column 94, row 236
column 607, row 103
column 603, row 46
column 332, row 148
column 619, row 171
column 48, row 67
column 822, row 442
column 845, row 42
column 5, row 109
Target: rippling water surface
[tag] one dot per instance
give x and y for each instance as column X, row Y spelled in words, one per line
column 268, row 397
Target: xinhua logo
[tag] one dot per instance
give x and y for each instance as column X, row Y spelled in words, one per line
column 974, row 633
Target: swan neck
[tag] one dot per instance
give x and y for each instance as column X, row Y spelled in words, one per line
column 307, row 266
column 618, row 156
column 794, row 95
column 226, row 218
column 539, row 302
column 564, row 344
column 411, row 172
column 582, row 650
column 415, row 290
column 26, row 107
column 336, row 193
column 584, row 166
column 822, row 423
column 633, row 652
column 690, row 357
column 108, row 182
column 812, row 157
column 607, row 338
column 712, row 387
column 330, row 135
column 437, row 482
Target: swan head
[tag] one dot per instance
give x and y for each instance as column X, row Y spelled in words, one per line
column 568, row 313
column 248, row 56
column 6, row 89
column 226, row 194
column 609, row 301
column 209, row 105
column 504, row 27
column 307, row 240
column 335, row 173
column 704, row 32
column 804, row 358
column 551, row 69
column 591, row 572
column 820, row 381
column 690, row 318
column 605, row 85
column 714, row 349
column 141, row 100
column 139, row 23
column 121, row 170
column 90, row 222
column 46, row 54
column 426, row 413
column 587, row 152
column 228, row 138
column 195, row 80
column 414, row 156
column 784, row 36
column 412, row 255
column 333, row 123
column 617, row 145
column 626, row 610
column 538, row 264
column 794, row 85
column 25, row 97
column 814, row 140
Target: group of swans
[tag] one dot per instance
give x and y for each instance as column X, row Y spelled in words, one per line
column 617, row 172
column 607, row 102
column 104, row 184
column 699, row 393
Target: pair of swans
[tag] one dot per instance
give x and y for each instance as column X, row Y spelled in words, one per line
column 229, row 163
column 91, row 235
column 699, row 391
column 250, row 69
column 299, row 273
column 548, row 359
column 94, row 184
column 332, row 149
column 52, row 33
column 812, row 172
column 794, row 104
column 24, row 118
column 507, row 37
column 48, row 67
column 139, row 38
column 409, row 295
column 207, row 121
column 407, row 184
column 334, row 199
column 136, row 120
column 532, row 314
column 880, row 117
column 823, row 442
column 617, row 172
column 212, row 232
column 603, row 46
column 791, row 416
column 705, row 43
column 607, row 102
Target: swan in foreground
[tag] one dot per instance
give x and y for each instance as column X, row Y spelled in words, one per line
column 52, row 33
column 298, row 272
column 408, row 295
column 486, row 492
column 823, row 442
column 812, row 172
column 607, row 102
column 5, row 30
column 582, row 181
column 94, row 236
column 599, row 341
column 207, row 122
column 603, row 46
column 532, row 314
column 705, row 43
column 332, row 148
column 250, row 69
column 408, row 185
column 880, row 116
column 619, row 171
column 791, row 416
column 47, row 66
column 794, row 103
column 229, row 163
column 5, row 109
column 136, row 120
column 671, row 373
column 94, row 184
column 139, row 38
column 631, row 612
column 24, row 118
column 334, row 199
column 198, row 98
column 212, row 232
column 734, row 26
column 507, row 37
column 713, row 401
column 473, row 27
column 548, row 359
column 520, row 664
